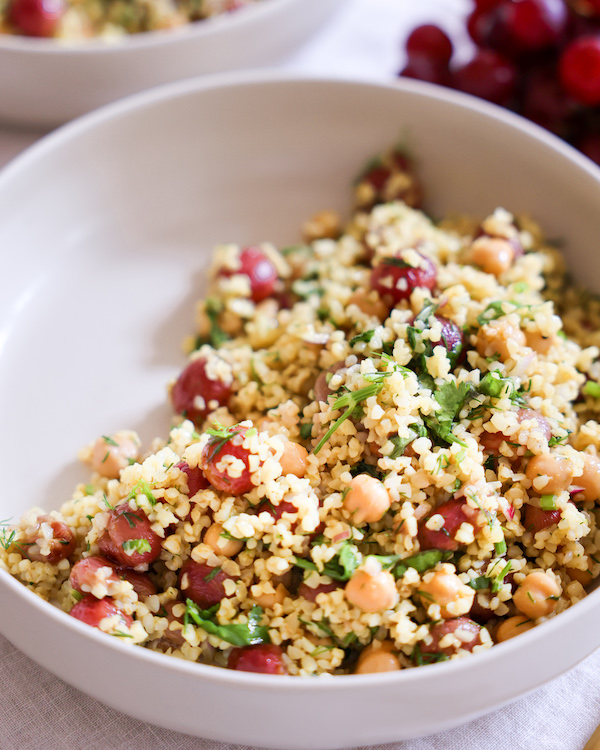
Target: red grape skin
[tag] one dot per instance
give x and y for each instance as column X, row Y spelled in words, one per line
column 264, row 658
column 431, row 43
column 194, row 382
column 579, row 68
column 260, row 271
column 395, row 282
column 36, row 17
column 489, row 76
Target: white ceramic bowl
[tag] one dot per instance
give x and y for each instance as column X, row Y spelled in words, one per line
column 105, row 231
column 45, row 82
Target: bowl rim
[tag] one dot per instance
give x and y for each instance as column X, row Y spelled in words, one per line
column 196, row 30
column 161, row 96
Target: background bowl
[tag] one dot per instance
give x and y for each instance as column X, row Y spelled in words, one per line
column 45, row 82
column 105, row 230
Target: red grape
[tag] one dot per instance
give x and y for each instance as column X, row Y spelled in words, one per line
column 429, row 42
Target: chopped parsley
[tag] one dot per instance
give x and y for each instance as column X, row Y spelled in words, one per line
column 401, row 443
column 216, row 335
column 365, row 337
column 421, row 561
column 493, row 311
column 494, row 386
column 490, row 581
column 306, row 430
column 451, row 398
column 556, row 440
column 362, row 467
column 340, row 568
column 249, row 633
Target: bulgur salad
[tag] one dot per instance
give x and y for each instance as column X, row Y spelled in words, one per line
column 385, row 454
column 78, row 20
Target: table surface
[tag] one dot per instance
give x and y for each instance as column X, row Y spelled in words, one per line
column 39, row 711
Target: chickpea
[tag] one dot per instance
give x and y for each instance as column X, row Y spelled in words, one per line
column 540, row 344
column 370, row 303
column 446, row 589
column 372, row 593
column 583, row 576
column 557, row 469
column 219, row 544
column 113, row 453
column 512, row 627
column 367, row 500
column 293, row 460
column 534, row 597
column 378, row 657
column 590, row 479
column 323, row 224
column 500, row 338
column 268, row 601
column 492, row 254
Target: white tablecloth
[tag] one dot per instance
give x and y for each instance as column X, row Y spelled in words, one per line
column 38, row 711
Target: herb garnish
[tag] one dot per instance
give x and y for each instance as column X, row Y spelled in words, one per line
column 136, row 545
column 451, row 398
column 401, row 443
column 422, row 561
column 238, row 634
column 351, row 401
column 142, row 488
column 421, row 659
column 340, row 567
column 591, row 388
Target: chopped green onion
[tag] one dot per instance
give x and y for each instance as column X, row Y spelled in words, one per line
column 547, row 502
column 591, row 388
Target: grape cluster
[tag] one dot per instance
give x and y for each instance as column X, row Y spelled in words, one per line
column 540, row 58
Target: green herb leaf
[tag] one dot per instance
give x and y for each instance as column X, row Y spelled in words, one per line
column 238, row 634
column 451, row 398
column 340, row 568
column 482, row 582
column 216, row 336
column 109, row 440
column 556, row 440
column 365, row 337
column 400, row 444
column 364, row 468
column 306, row 430
column 493, row 311
column 422, row 561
